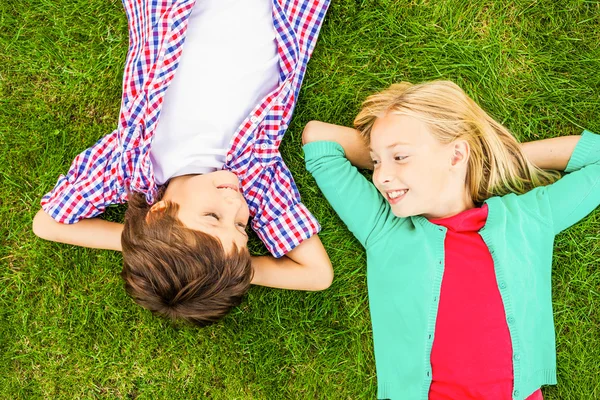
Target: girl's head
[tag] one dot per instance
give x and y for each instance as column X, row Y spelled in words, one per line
column 437, row 153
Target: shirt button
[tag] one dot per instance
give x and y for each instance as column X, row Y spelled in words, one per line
column 502, row 285
column 253, row 119
column 510, row 320
column 264, row 146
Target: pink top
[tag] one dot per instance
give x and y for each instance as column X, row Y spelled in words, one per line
column 471, row 356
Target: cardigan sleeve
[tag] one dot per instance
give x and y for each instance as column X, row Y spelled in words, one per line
column 571, row 198
column 352, row 196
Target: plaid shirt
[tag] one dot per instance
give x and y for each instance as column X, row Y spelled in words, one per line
column 103, row 174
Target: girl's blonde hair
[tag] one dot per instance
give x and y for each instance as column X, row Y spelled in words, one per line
column 496, row 166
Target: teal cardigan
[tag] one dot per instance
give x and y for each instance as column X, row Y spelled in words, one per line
column 405, row 264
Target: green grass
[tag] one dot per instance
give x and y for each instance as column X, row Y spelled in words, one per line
column 67, row 329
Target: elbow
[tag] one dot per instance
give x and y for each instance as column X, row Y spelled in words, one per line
column 310, row 132
column 36, row 226
column 40, row 225
column 325, row 278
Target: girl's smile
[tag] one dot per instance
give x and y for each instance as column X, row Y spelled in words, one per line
column 415, row 172
column 394, row 196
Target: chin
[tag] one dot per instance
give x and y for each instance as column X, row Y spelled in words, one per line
column 402, row 213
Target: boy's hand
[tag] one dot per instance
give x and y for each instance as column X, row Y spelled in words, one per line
column 94, row 233
column 307, row 267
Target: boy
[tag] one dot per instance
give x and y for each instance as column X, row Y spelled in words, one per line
column 197, row 160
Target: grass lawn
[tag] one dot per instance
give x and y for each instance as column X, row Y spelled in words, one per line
column 67, row 328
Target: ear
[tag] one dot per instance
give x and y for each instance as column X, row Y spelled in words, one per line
column 157, row 207
column 460, row 153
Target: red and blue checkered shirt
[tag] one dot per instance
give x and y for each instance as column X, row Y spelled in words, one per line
column 120, row 162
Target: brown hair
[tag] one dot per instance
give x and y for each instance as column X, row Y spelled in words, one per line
column 178, row 272
column 497, row 165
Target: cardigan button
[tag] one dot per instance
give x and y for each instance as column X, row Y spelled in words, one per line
column 516, row 393
column 517, row 357
column 502, row 285
column 510, row 320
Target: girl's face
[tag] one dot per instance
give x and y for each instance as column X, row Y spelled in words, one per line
column 416, row 173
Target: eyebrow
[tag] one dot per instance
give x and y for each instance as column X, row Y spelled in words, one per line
column 393, row 145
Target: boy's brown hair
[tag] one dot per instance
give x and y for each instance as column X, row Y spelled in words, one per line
column 178, row 272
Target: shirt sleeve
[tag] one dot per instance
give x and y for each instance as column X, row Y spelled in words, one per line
column 352, row 196
column 571, row 198
column 282, row 221
column 91, row 184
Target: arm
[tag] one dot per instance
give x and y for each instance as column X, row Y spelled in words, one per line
column 94, row 232
column 355, row 148
column 356, row 200
column 84, row 192
column 551, row 153
column 306, row 267
column 575, row 195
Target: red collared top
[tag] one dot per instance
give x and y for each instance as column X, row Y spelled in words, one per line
column 471, row 356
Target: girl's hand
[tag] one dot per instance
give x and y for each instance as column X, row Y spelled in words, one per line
column 355, row 148
column 551, row 153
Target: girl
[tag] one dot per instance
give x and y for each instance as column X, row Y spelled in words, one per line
column 458, row 228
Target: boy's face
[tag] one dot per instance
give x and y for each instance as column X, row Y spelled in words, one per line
column 211, row 203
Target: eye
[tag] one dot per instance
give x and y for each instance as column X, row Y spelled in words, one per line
column 400, row 158
column 375, row 162
column 215, row 216
column 241, row 225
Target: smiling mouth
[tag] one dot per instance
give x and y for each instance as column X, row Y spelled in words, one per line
column 229, row 186
column 394, row 196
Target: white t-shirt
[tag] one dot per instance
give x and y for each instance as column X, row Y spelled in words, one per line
column 228, row 64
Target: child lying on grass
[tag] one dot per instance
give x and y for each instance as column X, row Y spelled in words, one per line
column 458, row 226
column 196, row 155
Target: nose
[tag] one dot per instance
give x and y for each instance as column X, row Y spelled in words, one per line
column 231, row 199
column 231, row 205
column 383, row 174
column 232, row 202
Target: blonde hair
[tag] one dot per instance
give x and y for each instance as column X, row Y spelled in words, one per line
column 496, row 165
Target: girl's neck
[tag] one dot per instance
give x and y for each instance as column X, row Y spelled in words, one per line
column 452, row 207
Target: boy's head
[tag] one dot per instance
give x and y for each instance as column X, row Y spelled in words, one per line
column 185, row 257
